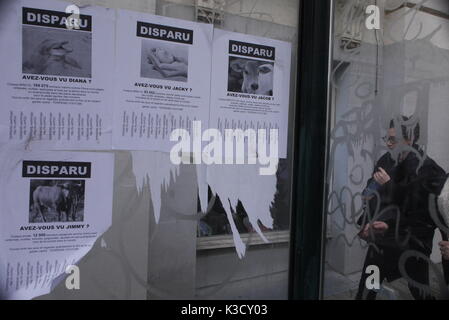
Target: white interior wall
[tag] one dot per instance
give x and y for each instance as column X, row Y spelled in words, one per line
column 345, row 252
column 441, row 5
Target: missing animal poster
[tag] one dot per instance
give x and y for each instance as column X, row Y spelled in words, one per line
column 54, row 207
column 56, row 88
column 250, row 85
column 162, row 79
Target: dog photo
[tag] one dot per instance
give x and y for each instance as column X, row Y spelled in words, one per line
column 167, row 61
column 250, row 76
column 56, row 200
column 57, row 52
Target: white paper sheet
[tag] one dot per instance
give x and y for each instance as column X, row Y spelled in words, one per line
column 154, row 168
column 54, row 207
column 250, row 84
column 56, row 84
column 162, row 79
column 256, row 192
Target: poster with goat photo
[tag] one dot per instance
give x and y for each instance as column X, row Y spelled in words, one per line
column 56, row 86
column 250, row 85
column 162, row 79
column 55, row 205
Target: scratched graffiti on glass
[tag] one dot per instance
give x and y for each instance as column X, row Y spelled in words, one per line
column 387, row 155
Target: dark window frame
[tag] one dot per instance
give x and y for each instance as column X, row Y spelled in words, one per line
column 310, row 145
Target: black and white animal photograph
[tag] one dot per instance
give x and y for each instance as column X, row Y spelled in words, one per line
column 56, row 200
column 57, row 52
column 250, row 76
column 166, row 61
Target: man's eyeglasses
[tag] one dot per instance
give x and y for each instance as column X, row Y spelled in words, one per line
column 390, row 139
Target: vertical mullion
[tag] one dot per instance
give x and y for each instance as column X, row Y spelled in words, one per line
column 309, row 162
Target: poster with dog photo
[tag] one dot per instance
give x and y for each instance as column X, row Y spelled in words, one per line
column 164, row 84
column 56, row 81
column 51, row 51
column 55, row 205
column 250, row 84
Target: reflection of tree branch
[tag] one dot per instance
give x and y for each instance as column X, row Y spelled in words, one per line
column 414, row 11
column 401, row 3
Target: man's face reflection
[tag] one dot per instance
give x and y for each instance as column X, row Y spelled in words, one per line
column 390, row 138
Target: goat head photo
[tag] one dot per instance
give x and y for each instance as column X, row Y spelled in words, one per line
column 250, row 76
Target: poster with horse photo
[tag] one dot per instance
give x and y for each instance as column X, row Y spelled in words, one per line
column 56, row 200
column 56, row 84
column 55, row 205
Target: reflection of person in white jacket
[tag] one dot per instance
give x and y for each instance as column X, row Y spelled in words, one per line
column 443, row 206
column 166, row 63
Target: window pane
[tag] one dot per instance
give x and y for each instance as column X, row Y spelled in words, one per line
column 193, row 231
column 388, row 159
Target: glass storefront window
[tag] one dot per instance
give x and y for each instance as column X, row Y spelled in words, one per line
column 386, row 234
column 171, row 233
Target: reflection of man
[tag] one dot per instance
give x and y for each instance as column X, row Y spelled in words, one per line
column 397, row 214
column 167, row 64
